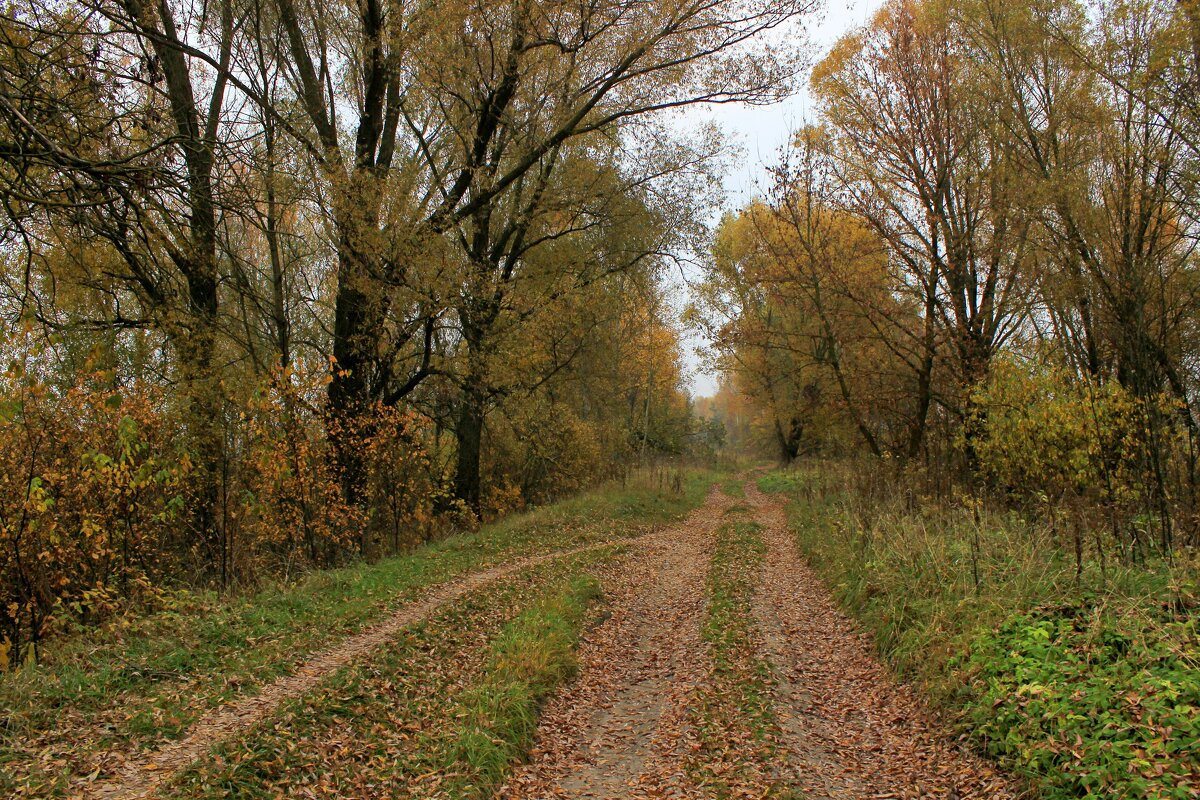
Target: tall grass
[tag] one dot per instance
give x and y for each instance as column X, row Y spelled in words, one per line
column 966, row 598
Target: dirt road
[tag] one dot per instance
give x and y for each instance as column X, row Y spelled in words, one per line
column 624, row 727
column 847, row 728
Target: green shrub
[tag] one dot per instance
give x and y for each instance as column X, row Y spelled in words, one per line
column 1090, row 701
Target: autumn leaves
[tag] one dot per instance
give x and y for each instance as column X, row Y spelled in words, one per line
column 373, row 272
column 980, row 252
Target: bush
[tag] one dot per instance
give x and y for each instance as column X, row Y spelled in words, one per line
column 1084, row 681
column 96, row 487
column 293, row 509
column 410, row 500
column 90, row 488
column 545, row 451
column 1049, row 433
column 1090, row 702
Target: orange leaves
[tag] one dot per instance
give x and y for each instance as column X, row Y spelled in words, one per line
column 98, row 494
column 89, row 492
column 295, row 503
column 785, row 304
column 292, row 499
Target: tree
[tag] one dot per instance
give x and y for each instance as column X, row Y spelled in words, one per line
column 589, row 213
column 456, row 103
column 788, row 302
column 925, row 167
column 833, row 264
column 109, row 131
column 1106, row 142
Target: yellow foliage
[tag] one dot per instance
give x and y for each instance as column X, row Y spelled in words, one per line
column 1048, row 433
column 91, row 488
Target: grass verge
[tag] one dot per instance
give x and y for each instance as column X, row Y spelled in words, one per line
column 141, row 680
column 1086, row 688
column 734, row 488
column 438, row 713
column 733, row 712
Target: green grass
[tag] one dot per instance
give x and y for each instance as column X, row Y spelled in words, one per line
column 734, row 488
column 448, row 704
column 784, row 481
column 1091, row 701
column 982, row 608
column 142, row 679
column 532, row 656
column 733, row 712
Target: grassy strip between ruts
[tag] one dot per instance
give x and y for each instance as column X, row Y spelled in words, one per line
column 733, row 712
column 498, row 716
column 144, row 679
column 1088, row 688
column 439, row 713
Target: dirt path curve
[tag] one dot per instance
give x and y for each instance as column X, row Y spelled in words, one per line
column 144, row 773
column 851, row 731
column 619, row 731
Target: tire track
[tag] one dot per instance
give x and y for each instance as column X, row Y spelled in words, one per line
column 851, row 731
column 620, row 731
column 142, row 775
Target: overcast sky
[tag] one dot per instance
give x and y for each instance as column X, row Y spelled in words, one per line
column 760, row 131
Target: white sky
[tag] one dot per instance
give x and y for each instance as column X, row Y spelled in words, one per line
column 760, row 131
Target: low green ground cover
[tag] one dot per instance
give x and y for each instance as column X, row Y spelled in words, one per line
column 1086, row 687
column 733, row 712
column 443, row 710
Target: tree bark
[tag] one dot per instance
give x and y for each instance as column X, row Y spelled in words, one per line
column 470, row 450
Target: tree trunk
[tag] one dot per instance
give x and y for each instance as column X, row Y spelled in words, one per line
column 789, row 439
column 359, row 311
column 976, row 366
column 472, row 406
column 470, row 448
column 348, row 388
column 200, row 387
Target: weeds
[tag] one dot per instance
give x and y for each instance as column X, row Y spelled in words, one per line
column 1091, row 701
column 141, row 679
column 1080, row 675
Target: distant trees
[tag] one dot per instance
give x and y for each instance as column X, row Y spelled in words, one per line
column 1026, row 176
column 465, row 112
